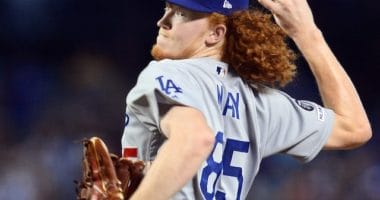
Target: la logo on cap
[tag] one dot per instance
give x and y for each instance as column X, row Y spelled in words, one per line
column 227, row 4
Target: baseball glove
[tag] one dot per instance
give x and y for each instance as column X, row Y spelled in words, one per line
column 106, row 176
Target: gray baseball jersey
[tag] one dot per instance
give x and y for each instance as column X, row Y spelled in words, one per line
column 249, row 125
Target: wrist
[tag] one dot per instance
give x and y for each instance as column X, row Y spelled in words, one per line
column 307, row 39
column 307, row 35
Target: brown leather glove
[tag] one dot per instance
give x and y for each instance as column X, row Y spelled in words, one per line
column 105, row 175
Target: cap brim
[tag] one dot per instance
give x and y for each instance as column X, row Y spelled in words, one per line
column 191, row 5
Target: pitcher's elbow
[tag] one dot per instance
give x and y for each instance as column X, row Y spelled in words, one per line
column 362, row 135
column 366, row 133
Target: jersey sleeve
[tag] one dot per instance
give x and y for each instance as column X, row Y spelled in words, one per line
column 295, row 127
column 160, row 86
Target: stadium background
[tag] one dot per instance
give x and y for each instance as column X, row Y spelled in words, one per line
column 67, row 65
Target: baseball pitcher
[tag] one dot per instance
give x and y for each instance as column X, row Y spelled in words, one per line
column 208, row 109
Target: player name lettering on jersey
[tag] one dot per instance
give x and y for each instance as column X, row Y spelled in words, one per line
column 168, row 85
column 228, row 101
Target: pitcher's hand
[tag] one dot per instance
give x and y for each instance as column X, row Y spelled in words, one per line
column 293, row 16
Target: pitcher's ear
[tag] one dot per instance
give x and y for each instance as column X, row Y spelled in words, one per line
column 216, row 34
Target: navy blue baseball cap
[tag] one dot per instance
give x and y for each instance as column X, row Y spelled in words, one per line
column 224, row 7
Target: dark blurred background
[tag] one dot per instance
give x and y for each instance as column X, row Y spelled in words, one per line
column 66, row 67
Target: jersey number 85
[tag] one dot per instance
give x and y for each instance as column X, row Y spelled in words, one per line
column 222, row 167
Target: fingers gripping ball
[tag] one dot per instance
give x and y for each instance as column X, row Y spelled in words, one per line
column 130, row 174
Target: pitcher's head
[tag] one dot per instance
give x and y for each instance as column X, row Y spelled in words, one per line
column 186, row 31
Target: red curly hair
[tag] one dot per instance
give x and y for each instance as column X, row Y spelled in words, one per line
column 256, row 48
